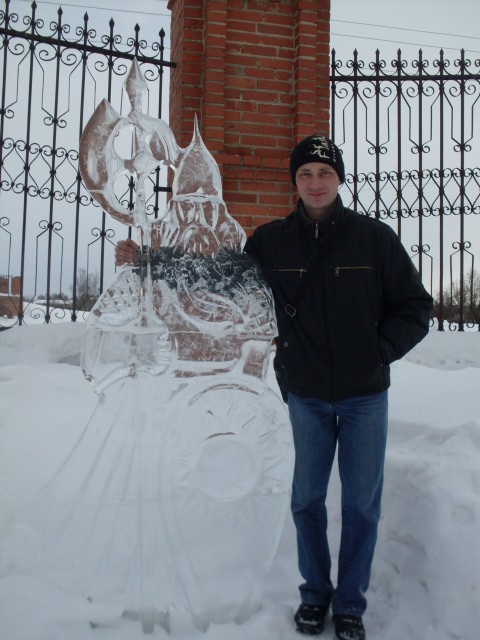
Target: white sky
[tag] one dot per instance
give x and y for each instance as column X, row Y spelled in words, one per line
column 151, row 15
column 408, row 25
column 365, row 24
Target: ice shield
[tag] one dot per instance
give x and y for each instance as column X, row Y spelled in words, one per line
column 174, row 497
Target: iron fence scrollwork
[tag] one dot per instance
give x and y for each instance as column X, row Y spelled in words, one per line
column 53, row 236
column 408, row 130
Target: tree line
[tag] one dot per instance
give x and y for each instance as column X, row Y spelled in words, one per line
column 460, row 300
column 457, row 301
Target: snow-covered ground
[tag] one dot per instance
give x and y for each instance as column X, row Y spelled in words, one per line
column 426, row 575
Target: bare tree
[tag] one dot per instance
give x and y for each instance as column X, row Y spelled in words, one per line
column 88, row 289
column 460, row 303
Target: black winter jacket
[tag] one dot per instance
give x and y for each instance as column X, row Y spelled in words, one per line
column 364, row 307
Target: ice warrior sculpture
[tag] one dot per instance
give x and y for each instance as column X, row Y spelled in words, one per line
column 174, row 498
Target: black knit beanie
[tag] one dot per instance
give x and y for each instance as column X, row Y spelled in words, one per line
column 317, row 149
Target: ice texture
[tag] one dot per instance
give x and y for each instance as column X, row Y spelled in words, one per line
column 188, row 448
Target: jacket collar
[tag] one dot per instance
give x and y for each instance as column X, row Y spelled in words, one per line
column 322, row 225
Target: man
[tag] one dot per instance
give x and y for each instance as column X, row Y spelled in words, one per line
column 348, row 303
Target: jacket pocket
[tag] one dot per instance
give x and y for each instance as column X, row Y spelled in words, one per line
column 350, row 268
column 293, row 271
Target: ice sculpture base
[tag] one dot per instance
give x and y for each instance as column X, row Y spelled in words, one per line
column 171, row 503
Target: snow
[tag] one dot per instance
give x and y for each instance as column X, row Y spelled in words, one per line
column 426, row 573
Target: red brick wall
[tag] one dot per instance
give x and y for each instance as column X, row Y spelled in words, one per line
column 10, row 284
column 256, row 73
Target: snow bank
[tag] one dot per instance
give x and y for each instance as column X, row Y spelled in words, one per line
column 426, row 575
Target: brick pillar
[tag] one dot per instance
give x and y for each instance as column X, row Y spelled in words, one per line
column 256, row 73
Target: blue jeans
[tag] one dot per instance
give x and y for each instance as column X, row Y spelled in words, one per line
column 359, row 425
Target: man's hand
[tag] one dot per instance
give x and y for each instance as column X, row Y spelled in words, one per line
column 126, row 252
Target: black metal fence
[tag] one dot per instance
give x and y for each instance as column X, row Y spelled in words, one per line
column 408, row 132
column 407, row 129
column 56, row 244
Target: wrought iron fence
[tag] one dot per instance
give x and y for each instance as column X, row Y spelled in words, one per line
column 408, row 132
column 56, row 244
column 407, row 129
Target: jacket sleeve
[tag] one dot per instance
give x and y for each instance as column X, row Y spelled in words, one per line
column 251, row 249
column 407, row 304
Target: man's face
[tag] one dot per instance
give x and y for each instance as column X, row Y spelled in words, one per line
column 317, row 185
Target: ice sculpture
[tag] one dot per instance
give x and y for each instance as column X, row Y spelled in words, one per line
column 174, row 498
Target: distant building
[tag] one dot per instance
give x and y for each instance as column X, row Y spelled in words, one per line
column 10, row 287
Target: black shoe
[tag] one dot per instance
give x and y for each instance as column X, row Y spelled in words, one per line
column 348, row 627
column 310, row 618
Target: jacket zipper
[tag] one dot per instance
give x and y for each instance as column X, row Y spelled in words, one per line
column 359, row 268
column 328, row 333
